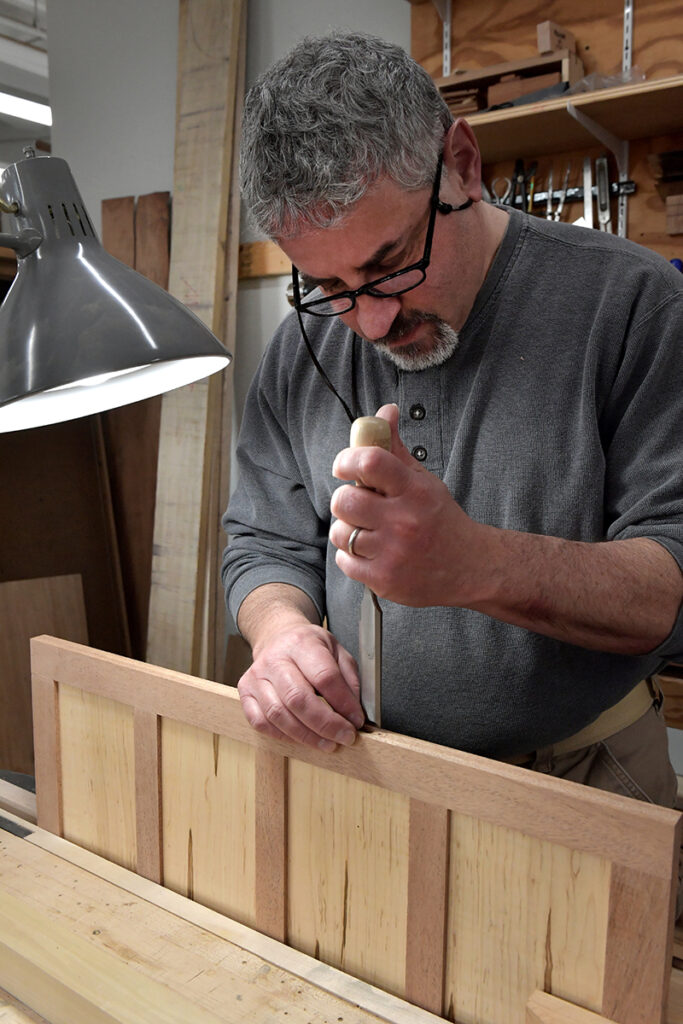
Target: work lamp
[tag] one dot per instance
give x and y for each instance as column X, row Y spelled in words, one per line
column 80, row 332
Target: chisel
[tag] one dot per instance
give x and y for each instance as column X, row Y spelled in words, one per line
column 587, row 193
column 602, row 175
column 367, row 431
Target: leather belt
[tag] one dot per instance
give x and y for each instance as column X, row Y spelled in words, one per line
column 622, row 714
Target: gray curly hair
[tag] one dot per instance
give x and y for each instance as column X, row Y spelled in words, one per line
column 324, row 123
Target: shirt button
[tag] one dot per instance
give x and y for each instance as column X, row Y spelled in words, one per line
column 417, row 412
column 419, row 453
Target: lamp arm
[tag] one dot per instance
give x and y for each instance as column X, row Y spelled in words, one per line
column 26, row 242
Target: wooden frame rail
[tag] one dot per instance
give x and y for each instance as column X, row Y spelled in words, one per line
column 460, row 884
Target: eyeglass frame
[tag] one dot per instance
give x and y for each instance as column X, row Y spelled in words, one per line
column 436, row 205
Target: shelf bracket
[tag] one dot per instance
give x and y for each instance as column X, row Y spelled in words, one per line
column 444, row 7
column 618, row 148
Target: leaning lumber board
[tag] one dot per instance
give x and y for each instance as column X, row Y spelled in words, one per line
column 573, row 885
column 17, row 800
column 209, row 36
column 546, row 1009
column 84, row 940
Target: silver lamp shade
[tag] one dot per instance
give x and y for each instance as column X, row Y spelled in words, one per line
column 81, row 332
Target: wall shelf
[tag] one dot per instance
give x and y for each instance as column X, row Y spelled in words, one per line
column 629, row 112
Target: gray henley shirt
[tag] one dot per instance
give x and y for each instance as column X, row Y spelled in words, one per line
column 558, row 414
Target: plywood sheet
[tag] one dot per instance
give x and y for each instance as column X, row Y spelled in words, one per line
column 52, row 604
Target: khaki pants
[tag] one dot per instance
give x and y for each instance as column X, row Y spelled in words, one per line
column 634, row 762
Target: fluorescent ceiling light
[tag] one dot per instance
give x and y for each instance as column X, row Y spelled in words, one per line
column 27, row 110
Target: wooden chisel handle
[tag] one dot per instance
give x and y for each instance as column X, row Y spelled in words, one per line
column 369, row 431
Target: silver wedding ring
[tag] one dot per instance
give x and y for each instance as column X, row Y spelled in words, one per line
column 352, row 540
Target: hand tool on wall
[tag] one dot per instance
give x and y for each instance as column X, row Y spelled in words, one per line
column 366, row 431
column 602, row 175
column 501, row 197
column 549, row 198
column 587, row 192
column 563, row 193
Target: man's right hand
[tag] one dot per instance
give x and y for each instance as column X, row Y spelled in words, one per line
column 303, row 685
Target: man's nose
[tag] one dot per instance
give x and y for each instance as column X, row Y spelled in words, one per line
column 375, row 316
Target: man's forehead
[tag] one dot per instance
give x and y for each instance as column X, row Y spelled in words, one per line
column 379, row 224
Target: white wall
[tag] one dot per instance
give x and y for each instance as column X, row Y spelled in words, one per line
column 113, row 90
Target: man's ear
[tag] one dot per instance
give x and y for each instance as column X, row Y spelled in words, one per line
column 462, row 158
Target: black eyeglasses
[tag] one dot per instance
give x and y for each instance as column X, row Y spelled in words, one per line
column 317, row 303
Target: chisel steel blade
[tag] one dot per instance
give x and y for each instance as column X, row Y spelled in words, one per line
column 587, row 192
column 370, row 656
column 370, row 430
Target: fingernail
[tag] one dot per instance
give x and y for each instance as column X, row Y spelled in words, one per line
column 327, row 745
column 346, row 736
column 358, row 720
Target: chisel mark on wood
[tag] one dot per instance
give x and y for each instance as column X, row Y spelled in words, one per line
column 190, row 866
column 548, row 973
column 216, row 748
column 346, row 911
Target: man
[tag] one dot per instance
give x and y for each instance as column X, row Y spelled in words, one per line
column 525, row 533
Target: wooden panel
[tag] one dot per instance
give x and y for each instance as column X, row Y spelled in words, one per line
column 543, row 905
column 98, row 785
column 208, row 819
column 347, row 884
column 191, row 418
column 561, row 887
column 28, row 608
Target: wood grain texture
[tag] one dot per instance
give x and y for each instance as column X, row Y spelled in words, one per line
column 641, row 996
column 539, row 900
column 485, row 33
column 97, row 774
column 270, row 844
column 52, row 604
column 12, row 1012
column 148, row 815
column 48, row 753
column 208, row 819
column 427, row 905
column 208, row 59
column 546, row 1009
column 347, row 874
column 191, row 952
column 17, row 800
